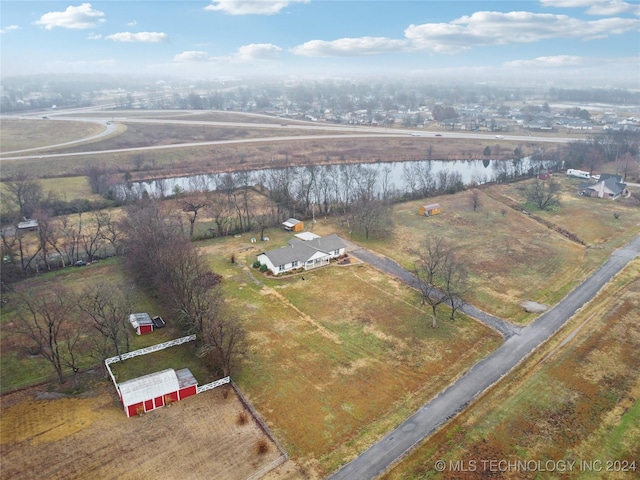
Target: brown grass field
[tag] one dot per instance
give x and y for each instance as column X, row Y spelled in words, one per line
column 338, row 359
column 577, row 398
column 24, row 134
column 511, row 256
column 90, row 437
column 341, row 357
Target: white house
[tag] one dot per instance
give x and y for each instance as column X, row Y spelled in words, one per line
column 308, row 254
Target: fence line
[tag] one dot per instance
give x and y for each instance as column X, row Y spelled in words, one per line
column 212, row 385
column 259, row 420
column 267, row 468
column 151, row 349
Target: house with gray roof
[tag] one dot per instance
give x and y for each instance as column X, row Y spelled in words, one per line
column 608, row 186
column 298, row 253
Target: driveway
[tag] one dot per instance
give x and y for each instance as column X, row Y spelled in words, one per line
column 393, row 446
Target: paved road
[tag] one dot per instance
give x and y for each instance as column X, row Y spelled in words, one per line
column 107, row 119
column 380, row 456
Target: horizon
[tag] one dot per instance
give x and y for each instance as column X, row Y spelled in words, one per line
column 588, row 43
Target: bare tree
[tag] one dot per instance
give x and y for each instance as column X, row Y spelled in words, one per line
column 224, row 343
column 544, row 194
column 192, row 205
column 43, row 320
column 475, row 199
column 432, row 257
column 454, row 282
column 108, row 308
column 372, row 216
column 109, row 231
column 25, row 192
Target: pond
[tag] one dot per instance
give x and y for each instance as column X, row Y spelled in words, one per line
column 397, row 176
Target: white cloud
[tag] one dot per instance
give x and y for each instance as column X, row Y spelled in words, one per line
column 10, row 28
column 76, row 18
column 596, row 7
column 350, row 47
column 140, row 37
column 245, row 54
column 464, row 33
column 258, row 51
column 556, row 61
column 251, row 7
column 94, row 36
column 497, row 28
column 191, row 56
column 132, row 23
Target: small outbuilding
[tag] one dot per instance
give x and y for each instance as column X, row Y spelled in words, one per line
column 156, row 390
column 28, row 224
column 293, row 225
column 141, row 322
column 544, row 174
column 429, row 210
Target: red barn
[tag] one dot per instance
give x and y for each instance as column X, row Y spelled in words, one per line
column 156, row 390
column 141, row 322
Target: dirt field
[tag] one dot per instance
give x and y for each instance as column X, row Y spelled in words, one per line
column 91, row 438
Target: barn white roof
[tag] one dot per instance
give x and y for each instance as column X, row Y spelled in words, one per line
column 148, row 387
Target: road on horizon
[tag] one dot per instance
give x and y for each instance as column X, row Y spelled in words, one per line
column 110, row 120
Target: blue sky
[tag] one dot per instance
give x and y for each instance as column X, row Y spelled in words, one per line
column 585, row 40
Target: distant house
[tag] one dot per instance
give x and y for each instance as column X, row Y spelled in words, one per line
column 429, row 210
column 293, row 225
column 303, row 254
column 608, row 186
column 141, row 322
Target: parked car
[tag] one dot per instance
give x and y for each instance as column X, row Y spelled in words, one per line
column 80, row 263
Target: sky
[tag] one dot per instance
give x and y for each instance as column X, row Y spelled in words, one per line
column 594, row 41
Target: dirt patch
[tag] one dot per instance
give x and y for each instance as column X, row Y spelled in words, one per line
column 533, row 307
column 78, row 438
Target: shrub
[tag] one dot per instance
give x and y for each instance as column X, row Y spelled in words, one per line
column 262, row 447
column 263, row 268
column 243, row 418
column 256, row 264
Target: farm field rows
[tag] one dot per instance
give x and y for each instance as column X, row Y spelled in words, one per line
column 577, row 399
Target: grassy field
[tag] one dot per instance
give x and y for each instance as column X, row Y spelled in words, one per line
column 24, row 134
column 20, row 369
column 511, row 256
column 577, row 399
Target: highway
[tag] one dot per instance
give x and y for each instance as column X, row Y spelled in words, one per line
column 109, row 120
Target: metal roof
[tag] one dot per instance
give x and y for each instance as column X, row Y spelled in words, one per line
column 148, row 387
column 291, row 222
column 140, row 319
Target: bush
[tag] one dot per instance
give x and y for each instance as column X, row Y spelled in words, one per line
column 262, row 447
column 256, row 264
column 243, row 418
column 263, row 268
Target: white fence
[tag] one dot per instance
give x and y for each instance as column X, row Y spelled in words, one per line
column 144, row 351
column 151, row 349
column 212, row 385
